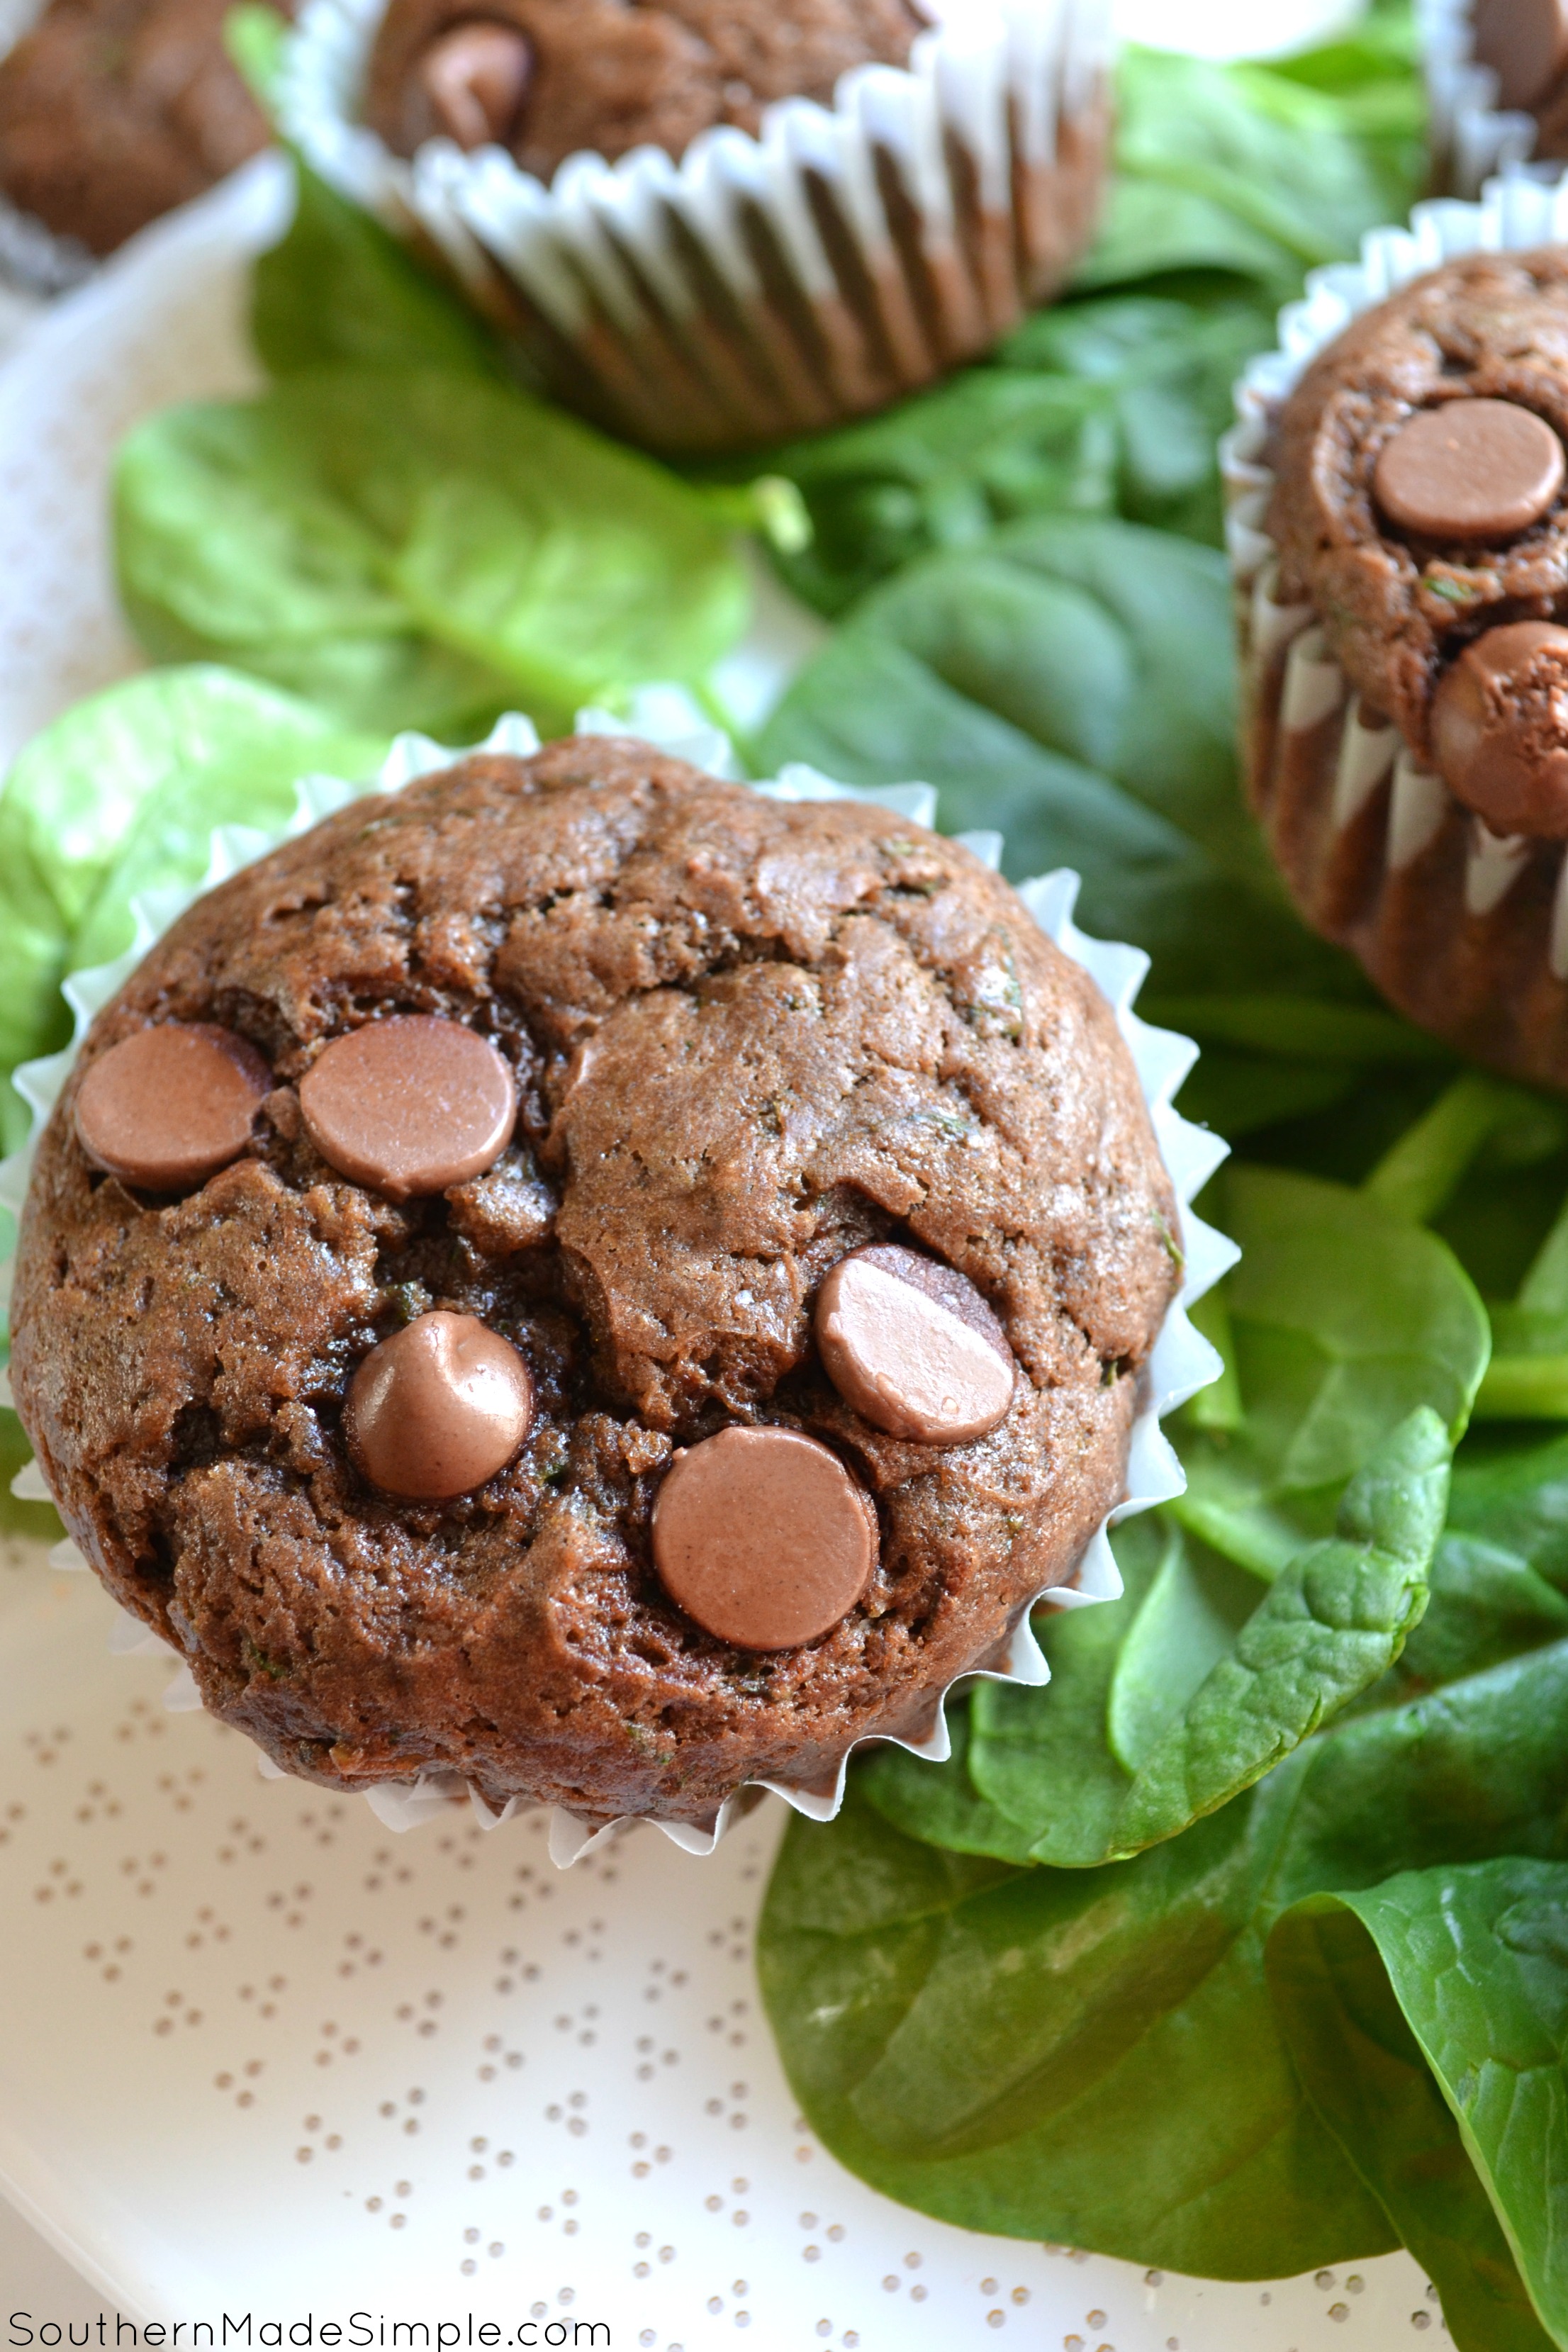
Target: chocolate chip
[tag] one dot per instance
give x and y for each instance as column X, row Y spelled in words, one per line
column 409, row 1105
column 168, row 1107
column 913, row 1347
column 763, row 1537
column 439, row 1408
column 1525, row 42
column 1499, row 728
column 476, row 78
column 1472, row 469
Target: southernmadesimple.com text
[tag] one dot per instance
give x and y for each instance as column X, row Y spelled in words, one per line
column 362, row 2330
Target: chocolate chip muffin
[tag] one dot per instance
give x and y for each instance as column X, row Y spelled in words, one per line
column 114, row 112
column 1405, row 640
column 587, row 1277
column 717, row 224
column 549, row 78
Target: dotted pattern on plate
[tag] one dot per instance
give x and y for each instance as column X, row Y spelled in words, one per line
column 453, row 2079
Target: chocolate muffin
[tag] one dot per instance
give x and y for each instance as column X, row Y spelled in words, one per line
column 713, row 225
column 1407, row 653
column 549, row 78
column 114, row 112
column 587, row 1277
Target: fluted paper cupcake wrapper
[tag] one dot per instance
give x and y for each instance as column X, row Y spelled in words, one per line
column 1180, row 1364
column 766, row 287
column 1472, row 135
column 1377, row 851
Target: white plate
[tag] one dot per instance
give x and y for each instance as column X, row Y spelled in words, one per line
column 264, row 2056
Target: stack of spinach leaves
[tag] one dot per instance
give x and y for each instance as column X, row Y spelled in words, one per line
column 1243, row 1946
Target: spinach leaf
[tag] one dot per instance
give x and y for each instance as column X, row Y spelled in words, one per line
column 1252, row 171
column 1427, row 2019
column 1344, row 1318
column 420, row 547
column 37, row 1521
column 1165, row 1706
column 1373, row 71
column 1528, row 1377
column 1092, row 2055
column 1500, row 1577
column 1051, row 2053
column 1107, row 405
column 122, row 793
column 339, row 291
column 1517, row 1498
column 1165, row 364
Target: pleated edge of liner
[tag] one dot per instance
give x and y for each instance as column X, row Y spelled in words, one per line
column 326, row 63
column 1471, row 135
column 1181, row 1363
column 1522, row 207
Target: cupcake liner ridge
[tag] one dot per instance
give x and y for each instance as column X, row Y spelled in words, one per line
column 759, row 287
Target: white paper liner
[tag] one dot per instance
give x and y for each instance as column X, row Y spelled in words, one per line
column 638, row 289
column 1472, row 136
column 1182, row 1361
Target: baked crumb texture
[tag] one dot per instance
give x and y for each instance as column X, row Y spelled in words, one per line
column 748, row 1037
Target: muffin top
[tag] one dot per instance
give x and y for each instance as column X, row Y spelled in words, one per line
column 550, row 79
column 1418, row 500
column 113, row 111
column 433, row 1441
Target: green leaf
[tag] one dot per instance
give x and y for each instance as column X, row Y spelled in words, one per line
column 339, row 290
column 1112, row 405
column 1187, row 1622
column 1519, row 1499
column 1345, row 1318
column 1332, row 1035
column 1528, row 1376
column 121, row 794
column 1488, row 1606
column 1500, row 1577
column 1166, row 1705
column 1069, row 1723
column 254, row 36
column 1092, row 2055
column 1250, row 170
column 1429, row 2020
column 420, row 547
column 1418, row 1177
column 37, row 1521
column 1047, row 2053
